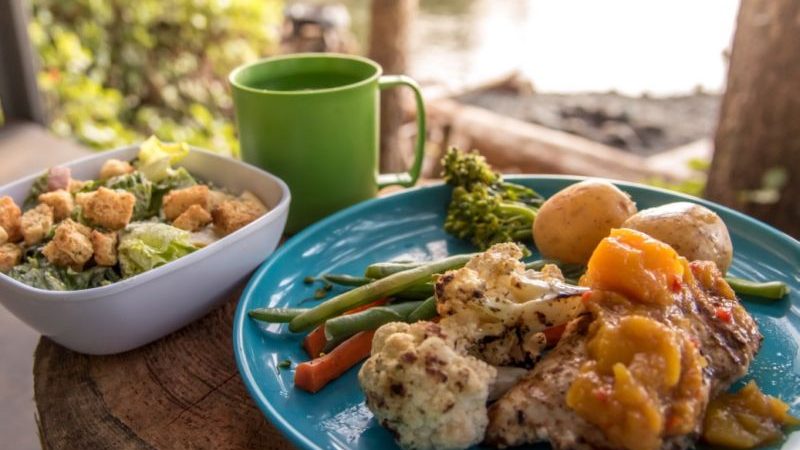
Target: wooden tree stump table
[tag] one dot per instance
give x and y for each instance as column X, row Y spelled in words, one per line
column 182, row 391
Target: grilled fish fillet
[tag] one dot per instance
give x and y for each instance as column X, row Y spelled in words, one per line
column 705, row 311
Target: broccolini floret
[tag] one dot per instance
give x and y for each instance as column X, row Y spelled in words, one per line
column 484, row 209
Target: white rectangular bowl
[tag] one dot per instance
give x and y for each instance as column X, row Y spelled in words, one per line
column 145, row 307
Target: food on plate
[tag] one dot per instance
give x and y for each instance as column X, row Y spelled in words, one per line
column 649, row 341
column 493, row 313
column 483, row 208
column 746, row 419
column 625, row 349
column 638, row 371
column 500, row 309
column 694, row 231
column 572, row 222
column 137, row 215
column 420, row 386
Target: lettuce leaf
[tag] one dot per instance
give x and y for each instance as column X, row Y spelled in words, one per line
column 38, row 187
column 147, row 245
column 155, row 158
column 36, row 271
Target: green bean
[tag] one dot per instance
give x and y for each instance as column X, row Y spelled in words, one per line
column 384, row 269
column 773, row 290
column 383, row 287
column 425, row 311
column 416, row 292
column 346, row 280
column 339, row 328
column 275, row 315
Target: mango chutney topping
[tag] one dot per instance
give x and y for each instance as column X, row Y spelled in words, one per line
column 746, row 419
column 643, row 380
column 637, row 266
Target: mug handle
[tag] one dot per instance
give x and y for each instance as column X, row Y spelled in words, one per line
column 406, row 179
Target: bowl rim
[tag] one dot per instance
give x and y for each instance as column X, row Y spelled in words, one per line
column 136, row 280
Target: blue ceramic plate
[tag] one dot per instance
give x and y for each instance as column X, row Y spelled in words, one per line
column 408, row 226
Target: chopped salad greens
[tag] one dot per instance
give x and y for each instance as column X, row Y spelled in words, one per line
column 135, row 216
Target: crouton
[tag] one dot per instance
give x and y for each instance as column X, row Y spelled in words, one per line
column 105, row 248
column 248, row 196
column 107, row 208
column 36, row 223
column 193, row 219
column 3, row 236
column 10, row 256
column 179, row 200
column 231, row 215
column 215, row 198
column 61, row 202
column 114, row 167
column 10, row 218
column 71, row 246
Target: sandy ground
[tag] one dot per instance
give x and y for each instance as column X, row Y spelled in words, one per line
column 643, row 125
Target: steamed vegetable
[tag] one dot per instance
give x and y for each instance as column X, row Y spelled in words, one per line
column 572, row 222
column 146, row 245
column 342, row 327
column 380, row 288
column 315, row 342
column 484, row 209
column 774, row 290
column 694, row 231
column 313, row 375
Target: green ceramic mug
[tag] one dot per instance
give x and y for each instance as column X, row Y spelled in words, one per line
column 313, row 120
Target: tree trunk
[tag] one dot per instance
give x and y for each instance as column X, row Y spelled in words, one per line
column 388, row 45
column 756, row 165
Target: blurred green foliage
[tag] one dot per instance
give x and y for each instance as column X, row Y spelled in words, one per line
column 115, row 71
column 694, row 185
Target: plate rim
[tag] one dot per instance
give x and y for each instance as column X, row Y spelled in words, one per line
column 240, row 315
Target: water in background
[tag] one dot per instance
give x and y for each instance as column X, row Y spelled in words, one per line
column 631, row 46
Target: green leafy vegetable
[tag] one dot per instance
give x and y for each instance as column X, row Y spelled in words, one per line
column 156, row 158
column 36, row 271
column 146, row 245
column 484, row 209
column 38, row 187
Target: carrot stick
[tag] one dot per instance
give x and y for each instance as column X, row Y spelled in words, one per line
column 313, row 375
column 553, row 334
column 314, row 343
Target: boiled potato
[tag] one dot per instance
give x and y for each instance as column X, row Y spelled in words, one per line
column 694, row 231
column 572, row 222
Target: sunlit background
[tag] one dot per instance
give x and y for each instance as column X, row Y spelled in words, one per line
column 629, row 46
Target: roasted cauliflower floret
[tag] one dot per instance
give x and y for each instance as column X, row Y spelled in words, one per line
column 36, row 223
column 10, row 215
column 423, row 389
column 61, row 202
column 500, row 309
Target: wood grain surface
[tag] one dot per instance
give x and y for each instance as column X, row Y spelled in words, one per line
column 180, row 392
